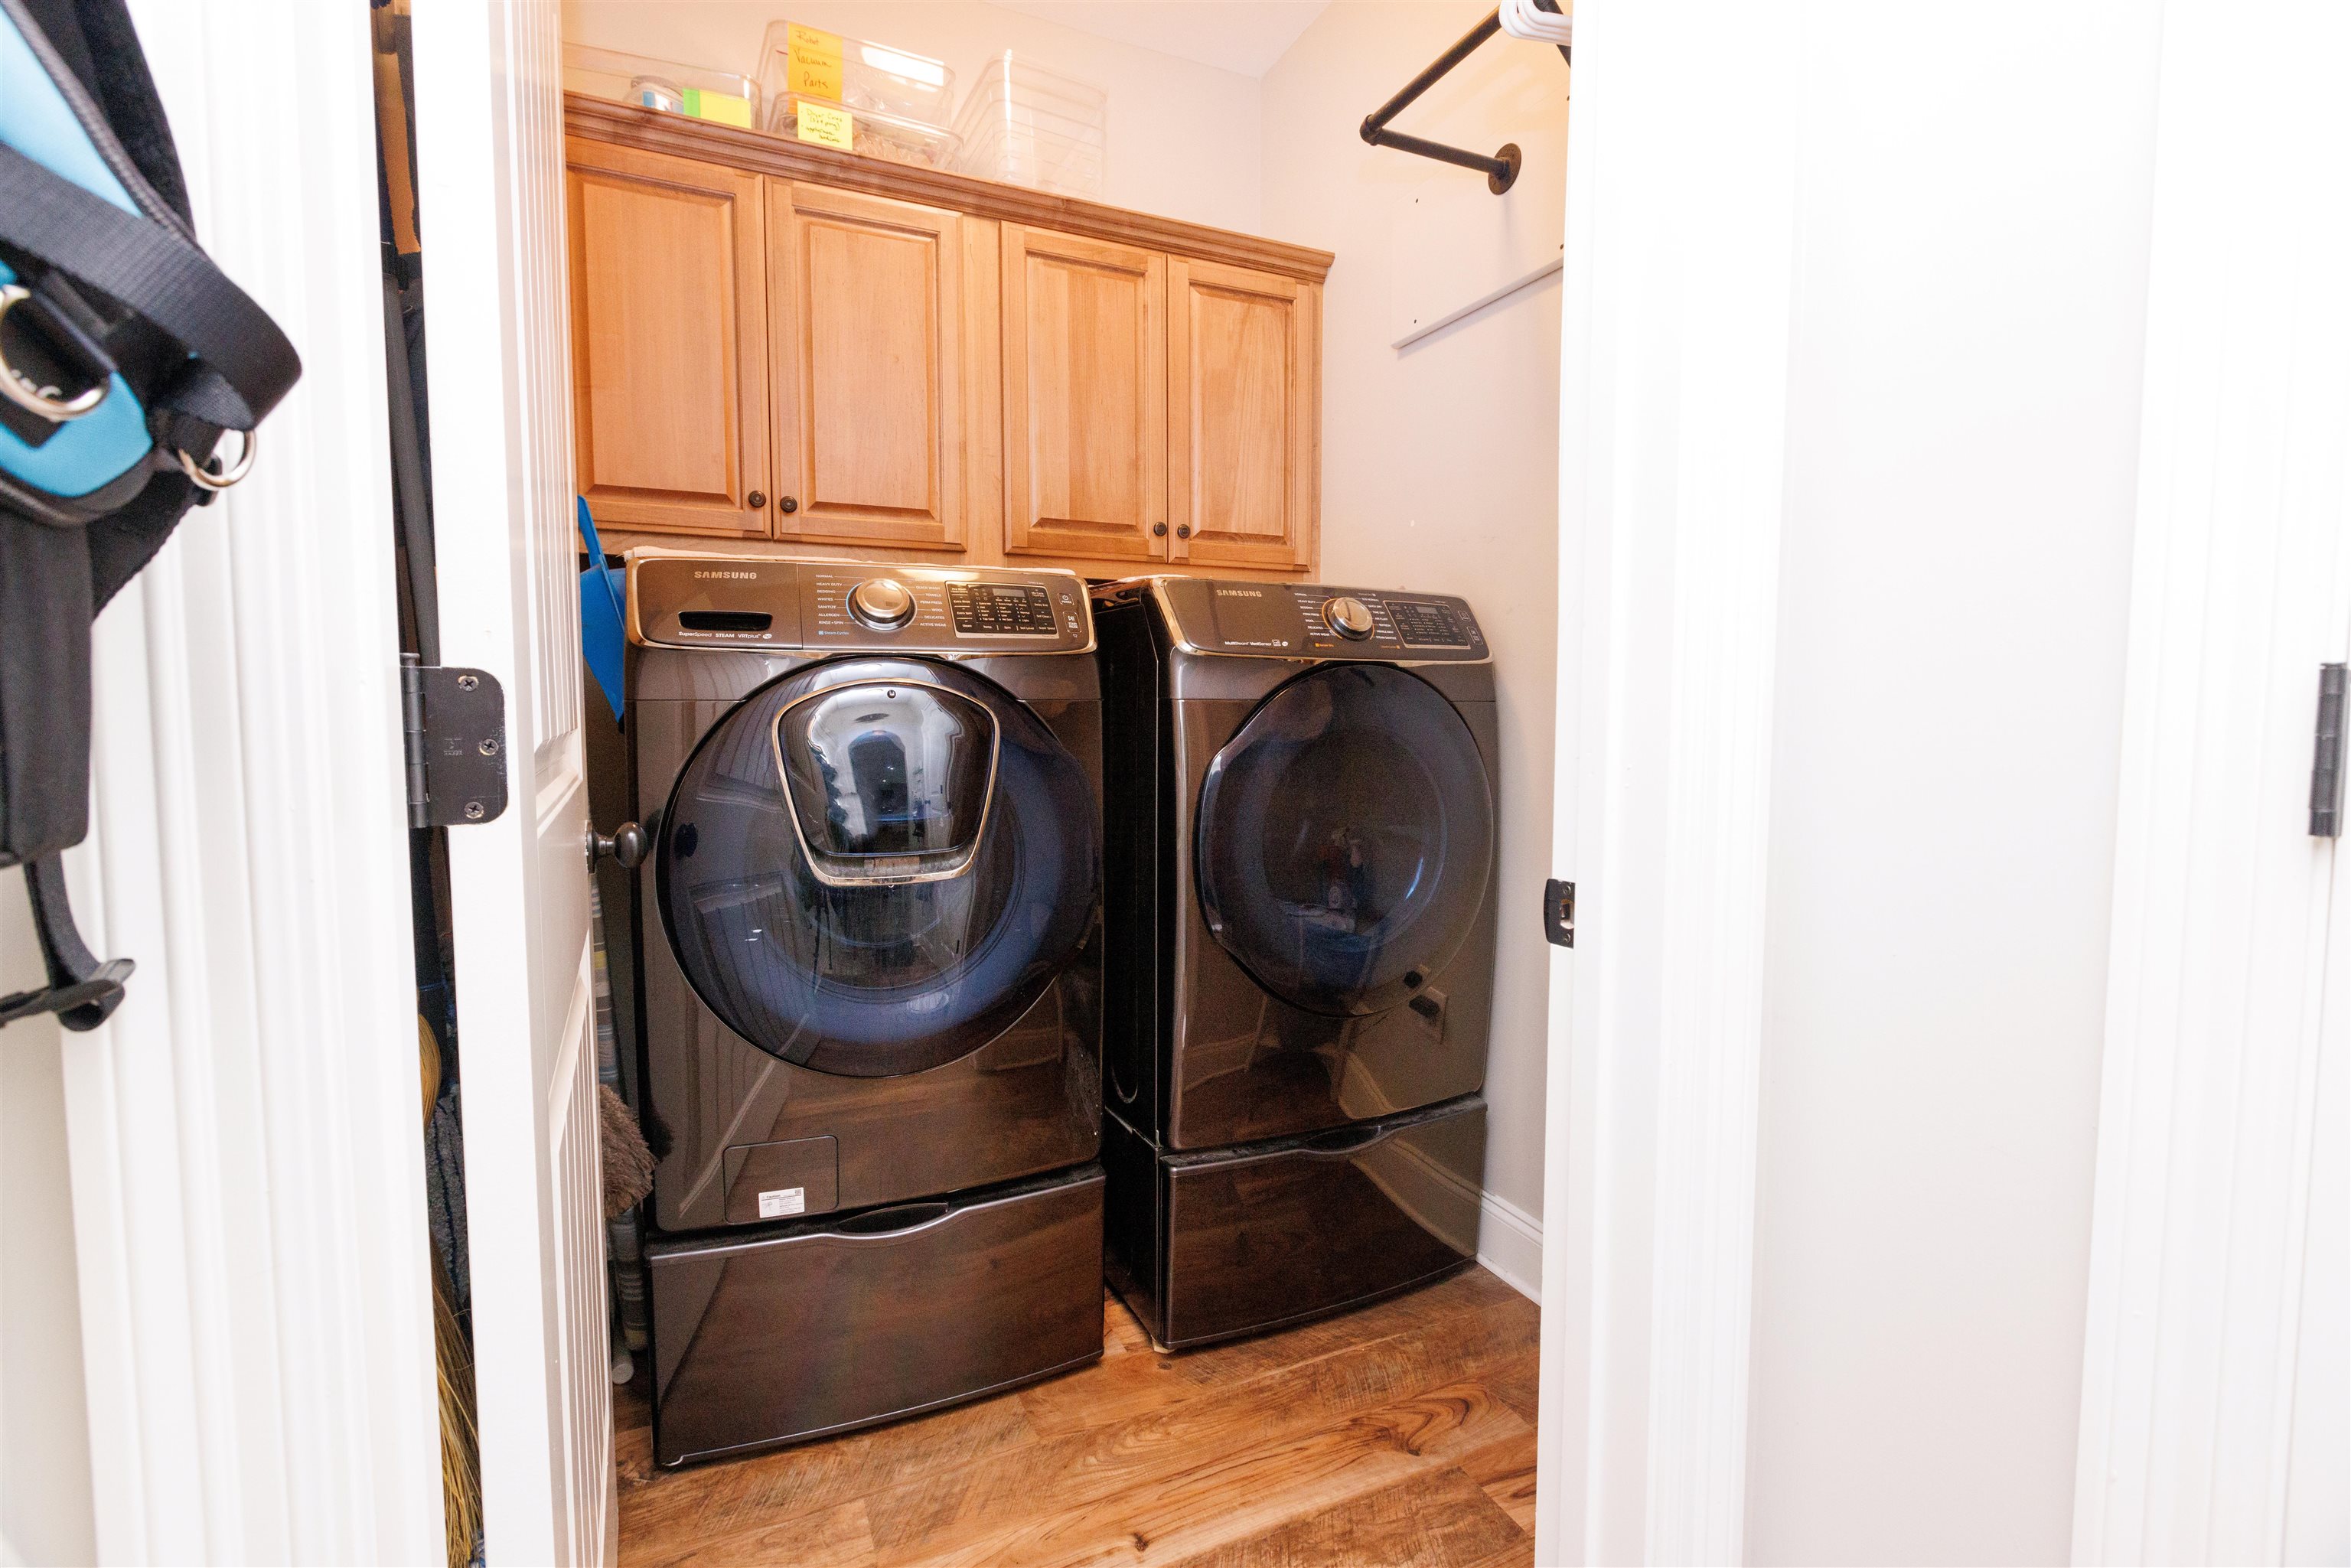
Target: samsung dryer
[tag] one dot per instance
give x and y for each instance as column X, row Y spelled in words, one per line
column 1299, row 883
column 869, row 989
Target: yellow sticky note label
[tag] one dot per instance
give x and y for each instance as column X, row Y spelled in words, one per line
column 815, row 61
column 825, row 125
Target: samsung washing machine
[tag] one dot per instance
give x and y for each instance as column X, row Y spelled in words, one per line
column 869, row 987
column 1301, row 915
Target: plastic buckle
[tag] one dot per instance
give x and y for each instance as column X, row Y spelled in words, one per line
column 81, row 990
column 83, row 1004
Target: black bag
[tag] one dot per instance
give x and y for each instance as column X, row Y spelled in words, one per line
column 125, row 354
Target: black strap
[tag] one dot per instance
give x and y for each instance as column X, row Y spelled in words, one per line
column 98, row 44
column 247, row 364
column 81, row 990
column 45, row 615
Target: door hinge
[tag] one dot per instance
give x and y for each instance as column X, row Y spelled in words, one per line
column 453, row 724
column 1559, row 912
column 2326, row 766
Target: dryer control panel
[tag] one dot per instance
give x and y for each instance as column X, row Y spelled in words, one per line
column 678, row 600
column 1301, row 620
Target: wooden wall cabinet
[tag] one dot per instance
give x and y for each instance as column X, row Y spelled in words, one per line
column 1085, row 397
column 669, row 355
column 866, row 297
column 1244, row 416
column 782, row 343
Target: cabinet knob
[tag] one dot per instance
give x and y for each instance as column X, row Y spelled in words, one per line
column 1158, row 531
column 788, row 504
column 1182, row 530
column 755, row 499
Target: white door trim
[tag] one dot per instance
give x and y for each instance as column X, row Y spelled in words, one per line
column 2242, row 574
column 1678, row 306
column 246, row 1132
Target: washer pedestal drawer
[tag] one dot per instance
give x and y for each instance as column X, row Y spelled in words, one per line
column 1212, row 1243
column 849, row 1320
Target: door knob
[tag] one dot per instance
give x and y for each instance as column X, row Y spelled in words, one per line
column 1158, row 531
column 755, row 499
column 1182, row 530
column 626, row 848
column 788, row 503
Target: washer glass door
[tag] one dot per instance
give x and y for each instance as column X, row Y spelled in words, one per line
column 875, row 866
column 1345, row 838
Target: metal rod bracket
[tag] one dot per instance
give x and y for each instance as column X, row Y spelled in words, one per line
column 1502, row 169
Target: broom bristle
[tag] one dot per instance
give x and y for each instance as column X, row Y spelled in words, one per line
column 628, row 1163
column 461, row 1477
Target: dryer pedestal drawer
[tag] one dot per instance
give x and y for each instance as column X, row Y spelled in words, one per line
column 847, row 1320
column 1209, row 1244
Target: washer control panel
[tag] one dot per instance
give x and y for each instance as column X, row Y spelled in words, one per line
column 1317, row 621
column 1001, row 608
column 680, row 601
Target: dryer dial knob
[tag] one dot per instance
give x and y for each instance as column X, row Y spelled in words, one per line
column 1349, row 617
column 881, row 603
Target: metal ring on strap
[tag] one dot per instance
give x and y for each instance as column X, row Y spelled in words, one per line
column 18, row 388
column 205, row 479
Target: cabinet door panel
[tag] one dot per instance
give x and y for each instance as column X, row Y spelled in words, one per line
column 1244, row 417
column 669, row 341
column 867, row 304
column 1085, row 412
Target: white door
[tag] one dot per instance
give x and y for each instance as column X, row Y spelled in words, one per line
column 489, row 115
column 2216, row 1404
column 1707, row 244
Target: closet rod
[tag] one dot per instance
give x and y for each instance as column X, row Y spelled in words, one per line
column 1500, row 170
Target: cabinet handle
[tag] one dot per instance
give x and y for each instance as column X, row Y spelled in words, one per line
column 1159, row 530
column 755, row 499
column 1182, row 530
column 1344, row 1140
column 896, row 1221
column 788, row 504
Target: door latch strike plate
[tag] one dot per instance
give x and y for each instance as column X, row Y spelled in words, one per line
column 454, row 732
column 1559, row 912
column 2326, row 764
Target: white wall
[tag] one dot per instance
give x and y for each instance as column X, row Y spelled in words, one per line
column 1441, row 461
column 45, row 1498
column 1971, row 270
column 1181, row 137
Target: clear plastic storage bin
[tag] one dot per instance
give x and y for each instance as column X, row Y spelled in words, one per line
column 691, row 91
column 872, row 134
column 862, row 76
column 1034, row 127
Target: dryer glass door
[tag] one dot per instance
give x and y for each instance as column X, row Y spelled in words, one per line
column 875, row 866
column 1345, row 839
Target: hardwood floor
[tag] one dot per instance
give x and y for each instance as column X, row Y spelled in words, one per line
column 1402, row 1434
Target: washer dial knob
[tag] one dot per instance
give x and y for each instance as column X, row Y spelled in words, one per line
column 1349, row 617
column 883, row 603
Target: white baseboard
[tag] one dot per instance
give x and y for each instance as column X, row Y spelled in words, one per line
column 1510, row 1244
column 1509, row 1240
